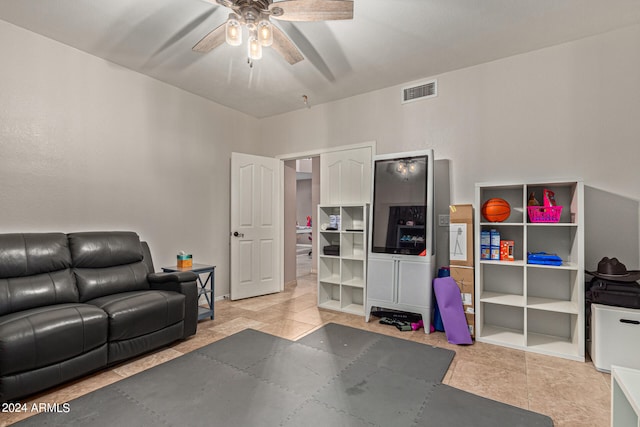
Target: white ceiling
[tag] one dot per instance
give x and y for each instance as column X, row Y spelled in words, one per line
column 389, row 42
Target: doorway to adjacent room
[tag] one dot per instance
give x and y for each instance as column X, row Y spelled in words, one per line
column 305, row 213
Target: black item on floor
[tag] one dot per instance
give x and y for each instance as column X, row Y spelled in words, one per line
column 402, row 326
column 331, row 250
column 609, row 292
column 398, row 315
column 357, row 378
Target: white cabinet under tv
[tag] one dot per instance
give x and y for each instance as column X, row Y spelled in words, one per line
column 401, row 260
column 400, row 283
column 342, row 275
column 538, row 308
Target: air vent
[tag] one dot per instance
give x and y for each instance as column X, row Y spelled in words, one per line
column 421, row 91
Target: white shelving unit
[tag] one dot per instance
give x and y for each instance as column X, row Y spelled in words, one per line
column 537, row 308
column 625, row 397
column 342, row 278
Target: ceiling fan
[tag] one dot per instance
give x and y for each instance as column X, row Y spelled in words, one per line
column 255, row 16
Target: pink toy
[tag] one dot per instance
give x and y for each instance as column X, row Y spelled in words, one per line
column 308, row 221
column 416, row 326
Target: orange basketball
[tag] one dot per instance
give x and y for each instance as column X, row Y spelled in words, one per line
column 496, row 210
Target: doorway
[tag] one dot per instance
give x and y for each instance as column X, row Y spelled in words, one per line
column 347, row 172
column 301, row 198
column 305, row 213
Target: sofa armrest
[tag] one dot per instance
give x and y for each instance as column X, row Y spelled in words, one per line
column 183, row 282
column 171, row 281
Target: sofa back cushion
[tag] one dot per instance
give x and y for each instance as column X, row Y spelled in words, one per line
column 33, row 253
column 35, row 271
column 98, row 249
column 107, row 262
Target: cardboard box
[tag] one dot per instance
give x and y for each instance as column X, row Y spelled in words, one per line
column 464, row 277
column 506, row 250
column 461, row 235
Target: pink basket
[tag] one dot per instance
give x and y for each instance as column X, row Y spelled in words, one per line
column 544, row 213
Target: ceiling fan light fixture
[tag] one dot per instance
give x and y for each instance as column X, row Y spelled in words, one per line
column 233, row 30
column 265, row 33
column 257, row 15
column 254, row 47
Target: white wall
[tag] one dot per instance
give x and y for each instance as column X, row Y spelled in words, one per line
column 88, row 145
column 568, row 111
column 290, row 212
column 303, row 201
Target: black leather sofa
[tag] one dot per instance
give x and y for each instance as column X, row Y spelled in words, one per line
column 71, row 304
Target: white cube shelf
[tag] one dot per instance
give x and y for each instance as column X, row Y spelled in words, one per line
column 538, row 308
column 342, row 278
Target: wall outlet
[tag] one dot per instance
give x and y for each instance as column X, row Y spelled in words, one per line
column 443, row 220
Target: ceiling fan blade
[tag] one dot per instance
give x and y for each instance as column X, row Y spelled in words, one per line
column 186, row 30
column 309, row 51
column 285, row 47
column 312, row 10
column 211, row 41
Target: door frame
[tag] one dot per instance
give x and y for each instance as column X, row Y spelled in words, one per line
column 304, row 155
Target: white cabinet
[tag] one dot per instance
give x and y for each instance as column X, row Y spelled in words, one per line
column 345, row 176
column 625, row 397
column 401, row 250
column 537, row 308
column 342, row 278
column 383, row 284
column 615, row 337
column 412, row 286
column 400, row 282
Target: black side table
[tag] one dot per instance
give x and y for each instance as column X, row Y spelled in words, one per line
column 210, row 271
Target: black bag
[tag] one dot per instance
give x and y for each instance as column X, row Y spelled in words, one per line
column 608, row 292
column 331, row 250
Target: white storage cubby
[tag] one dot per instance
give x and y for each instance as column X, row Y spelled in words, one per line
column 625, row 397
column 342, row 278
column 615, row 337
column 537, row 308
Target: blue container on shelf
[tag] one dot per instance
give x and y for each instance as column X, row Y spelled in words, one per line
column 485, row 244
column 495, row 244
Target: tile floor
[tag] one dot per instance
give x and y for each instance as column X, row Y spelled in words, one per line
column 571, row 393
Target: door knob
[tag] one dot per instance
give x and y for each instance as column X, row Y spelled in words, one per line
column 236, row 234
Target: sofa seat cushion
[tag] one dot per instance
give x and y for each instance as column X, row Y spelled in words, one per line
column 137, row 313
column 42, row 336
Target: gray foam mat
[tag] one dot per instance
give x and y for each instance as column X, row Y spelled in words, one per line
column 448, row 406
column 300, row 368
column 337, row 376
column 104, row 409
column 314, row 414
column 341, row 340
column 409, row 358
column 244, row 348
column 377, row 395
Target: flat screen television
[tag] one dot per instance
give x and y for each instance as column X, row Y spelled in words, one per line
column 400, row 201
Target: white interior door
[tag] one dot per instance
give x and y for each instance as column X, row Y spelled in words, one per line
column 256, row 247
